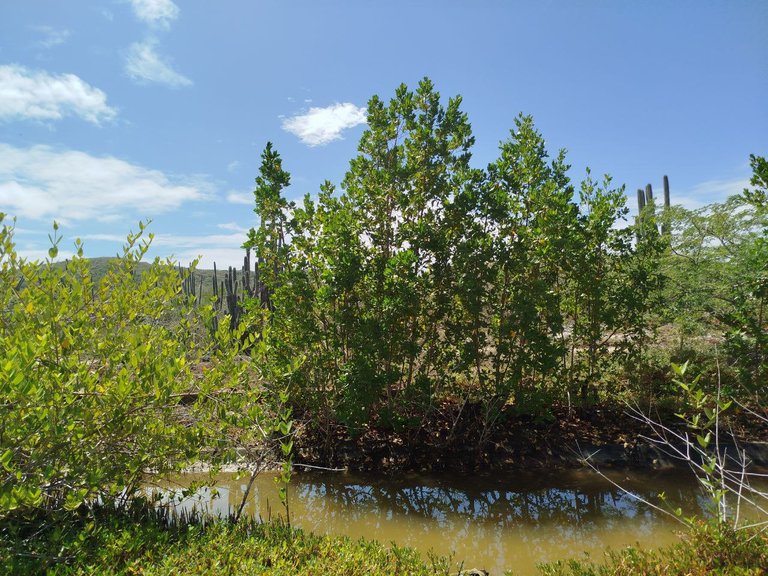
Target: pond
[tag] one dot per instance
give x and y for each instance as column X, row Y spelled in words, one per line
column 505, row 521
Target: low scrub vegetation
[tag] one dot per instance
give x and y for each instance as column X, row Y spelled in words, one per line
column 703, row 551
column 103, row 383
column 143, row 541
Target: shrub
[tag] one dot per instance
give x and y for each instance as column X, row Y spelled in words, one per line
column 93, row 378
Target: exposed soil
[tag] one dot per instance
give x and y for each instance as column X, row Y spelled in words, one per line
column 453, row 438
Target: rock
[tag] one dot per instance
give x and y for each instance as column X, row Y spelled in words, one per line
column 756, row 452
column 474, row 572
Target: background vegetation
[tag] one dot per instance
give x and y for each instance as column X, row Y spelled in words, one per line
column 424, row 278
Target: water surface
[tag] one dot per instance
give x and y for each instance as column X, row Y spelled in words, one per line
column 505, row 521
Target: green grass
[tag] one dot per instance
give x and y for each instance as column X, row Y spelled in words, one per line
column 706, row 550
column 145, row 545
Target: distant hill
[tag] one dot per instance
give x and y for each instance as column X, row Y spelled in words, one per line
column 99, row 267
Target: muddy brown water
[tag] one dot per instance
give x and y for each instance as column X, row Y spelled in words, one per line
column 502, row 522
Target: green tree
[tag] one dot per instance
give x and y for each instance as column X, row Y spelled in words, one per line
column 413, row 159
column 611, row 288
column 508, row 266
column 718, row 274
column 747, row 320
column 272, row 209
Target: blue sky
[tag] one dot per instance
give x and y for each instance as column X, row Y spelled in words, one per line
column 115, row 111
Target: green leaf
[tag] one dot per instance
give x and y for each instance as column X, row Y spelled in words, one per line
column 5, row 460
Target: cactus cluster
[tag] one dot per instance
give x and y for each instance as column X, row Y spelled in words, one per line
column 189, row 284
column 645, row 198
column 230, row 293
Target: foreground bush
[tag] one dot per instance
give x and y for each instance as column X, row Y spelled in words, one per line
column 102, row 382
column 143, row 543
column 707, row 549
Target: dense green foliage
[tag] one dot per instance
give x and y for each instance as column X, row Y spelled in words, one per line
column 138, row 542
column 103, row 382
column 718, row 271
column 425, row 278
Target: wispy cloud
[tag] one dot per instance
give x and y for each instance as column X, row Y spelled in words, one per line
column 703, row 193
column 51, row 37
column 711, row 191
column 38, row 95
column 43, row 183
column 39, row 254
column 143, row 64
column 232, row 166
column 223, row 249
column 222, row 257
column 321, row 126
column 234, row 239
column 240, row 197
column 155, row 12
column 234, row 226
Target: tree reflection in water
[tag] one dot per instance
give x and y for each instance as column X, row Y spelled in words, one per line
column 551, row 519
column 497, row 522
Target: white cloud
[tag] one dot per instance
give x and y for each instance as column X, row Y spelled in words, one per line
column 104, row 237
column 234, row 226
column 240, row 197
column 43, row 183
column 37, row 95
column 144, row 64
column 51, row 37
column 232, row 166
column 710, row 191
column 223, row 257
column 320, row 126
column 31, row 254
column 223, row 249
column 209, row 241
column 155, row 12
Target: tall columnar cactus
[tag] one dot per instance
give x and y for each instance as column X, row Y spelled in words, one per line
column 645, row 198
column 648, row 194
column 231, row 293
column 189, row 283
column 649, row 200
column 233, row 302
column 248, row 287
column 666, row 229
column 640, row 208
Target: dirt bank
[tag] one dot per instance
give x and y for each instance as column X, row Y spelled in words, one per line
column 454, row 438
